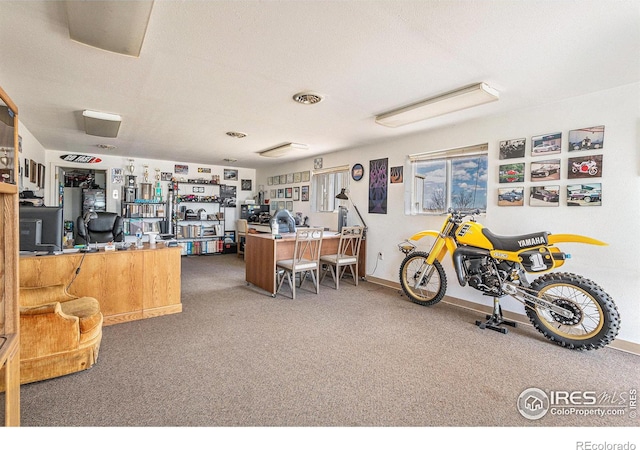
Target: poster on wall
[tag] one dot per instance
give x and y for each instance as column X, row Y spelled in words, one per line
column 181, row 168
column 378, row 182
column 117, row 175
column 396, row 174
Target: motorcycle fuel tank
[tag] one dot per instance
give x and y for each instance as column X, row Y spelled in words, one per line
column 470, row 233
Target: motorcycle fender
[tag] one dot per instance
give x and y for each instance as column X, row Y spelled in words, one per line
column 448, row 247
column 553, row 239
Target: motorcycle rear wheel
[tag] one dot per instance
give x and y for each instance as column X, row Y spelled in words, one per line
column 596, row 320
column 431, row 289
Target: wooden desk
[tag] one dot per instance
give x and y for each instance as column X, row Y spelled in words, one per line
column 261, row 251
column 259, row 227
column 129, row 284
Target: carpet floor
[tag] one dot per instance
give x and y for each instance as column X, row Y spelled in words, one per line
column 358, row 356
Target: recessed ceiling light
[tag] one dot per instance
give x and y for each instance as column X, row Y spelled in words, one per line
column 236, row 134
column 230, row 160
column 307, row 98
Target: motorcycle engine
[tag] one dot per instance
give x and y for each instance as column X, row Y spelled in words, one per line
column 483, row 276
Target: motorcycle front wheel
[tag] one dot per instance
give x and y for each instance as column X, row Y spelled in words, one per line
column 424, row 290
column 595, row 322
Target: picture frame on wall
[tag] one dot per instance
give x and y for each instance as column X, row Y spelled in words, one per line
column 548, row 169
column 545, row 195
column 296, row 193
column 546, row 144
column 590, row 138
column 26, row 167
column 357, row 172
column 181, row 169
column 584, row 167
column 306, row 176
column 33, row 171
column 41, row 176
column 512, row 148
column 511, row 173
column 396, row 174
column 304, row 193
column 589, row 194
column 511, row 196
column 288, row 193
column 289, row 205
column 230, row 174
column 245, row 185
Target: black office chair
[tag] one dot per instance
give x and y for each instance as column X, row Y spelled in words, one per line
column 106, row 228
column 286, row 222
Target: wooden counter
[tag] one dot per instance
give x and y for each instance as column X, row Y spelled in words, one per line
column 129, row 284
column 262, row 250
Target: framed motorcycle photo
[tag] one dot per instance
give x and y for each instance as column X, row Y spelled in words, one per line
column 584, row 167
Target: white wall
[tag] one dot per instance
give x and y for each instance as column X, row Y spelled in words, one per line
column 53, row 161
column 616, row 267
column 32, row 150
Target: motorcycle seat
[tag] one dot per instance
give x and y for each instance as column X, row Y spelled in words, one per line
column 516, row 243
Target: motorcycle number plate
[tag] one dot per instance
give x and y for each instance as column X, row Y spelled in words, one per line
column 537, row 260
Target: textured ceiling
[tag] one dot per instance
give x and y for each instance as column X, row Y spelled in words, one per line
column 210, row 67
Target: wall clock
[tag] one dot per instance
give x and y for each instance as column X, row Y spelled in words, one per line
column 357, row 172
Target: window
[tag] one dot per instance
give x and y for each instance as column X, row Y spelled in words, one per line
column 326, row 184
column 449, row 179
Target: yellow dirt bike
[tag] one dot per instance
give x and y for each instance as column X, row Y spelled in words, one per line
column 568, row 309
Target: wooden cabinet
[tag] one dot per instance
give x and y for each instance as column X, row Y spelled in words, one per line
column 9, row 251
column 129, row 284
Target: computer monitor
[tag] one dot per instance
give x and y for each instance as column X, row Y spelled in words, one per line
column 51, row 228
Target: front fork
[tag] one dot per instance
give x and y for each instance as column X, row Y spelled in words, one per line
column 428, row 268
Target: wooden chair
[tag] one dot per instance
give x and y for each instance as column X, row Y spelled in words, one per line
column 241, row 235
column 346, row 257
column 305, row 260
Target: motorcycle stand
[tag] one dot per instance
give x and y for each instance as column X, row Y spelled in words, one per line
column 496, row 319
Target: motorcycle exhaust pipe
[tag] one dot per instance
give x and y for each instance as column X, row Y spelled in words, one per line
column 460, row 254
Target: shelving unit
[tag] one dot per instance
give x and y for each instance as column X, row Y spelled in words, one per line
column 198, row 217
column 9, row 258
column 148, row 217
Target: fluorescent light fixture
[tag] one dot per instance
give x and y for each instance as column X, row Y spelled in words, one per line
column 101, row 124
column 282, row 150
column 115, row 26
column 457, row 100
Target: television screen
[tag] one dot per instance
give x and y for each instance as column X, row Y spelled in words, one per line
column 51, row 228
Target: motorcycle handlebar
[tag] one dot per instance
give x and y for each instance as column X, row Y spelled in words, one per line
column 459, row 214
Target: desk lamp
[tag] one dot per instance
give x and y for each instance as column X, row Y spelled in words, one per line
column 343, row 196
column 88, row 216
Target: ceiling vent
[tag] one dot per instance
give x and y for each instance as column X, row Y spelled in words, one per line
column 308, row 98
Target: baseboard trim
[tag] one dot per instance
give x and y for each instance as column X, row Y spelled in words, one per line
column 617, row 344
